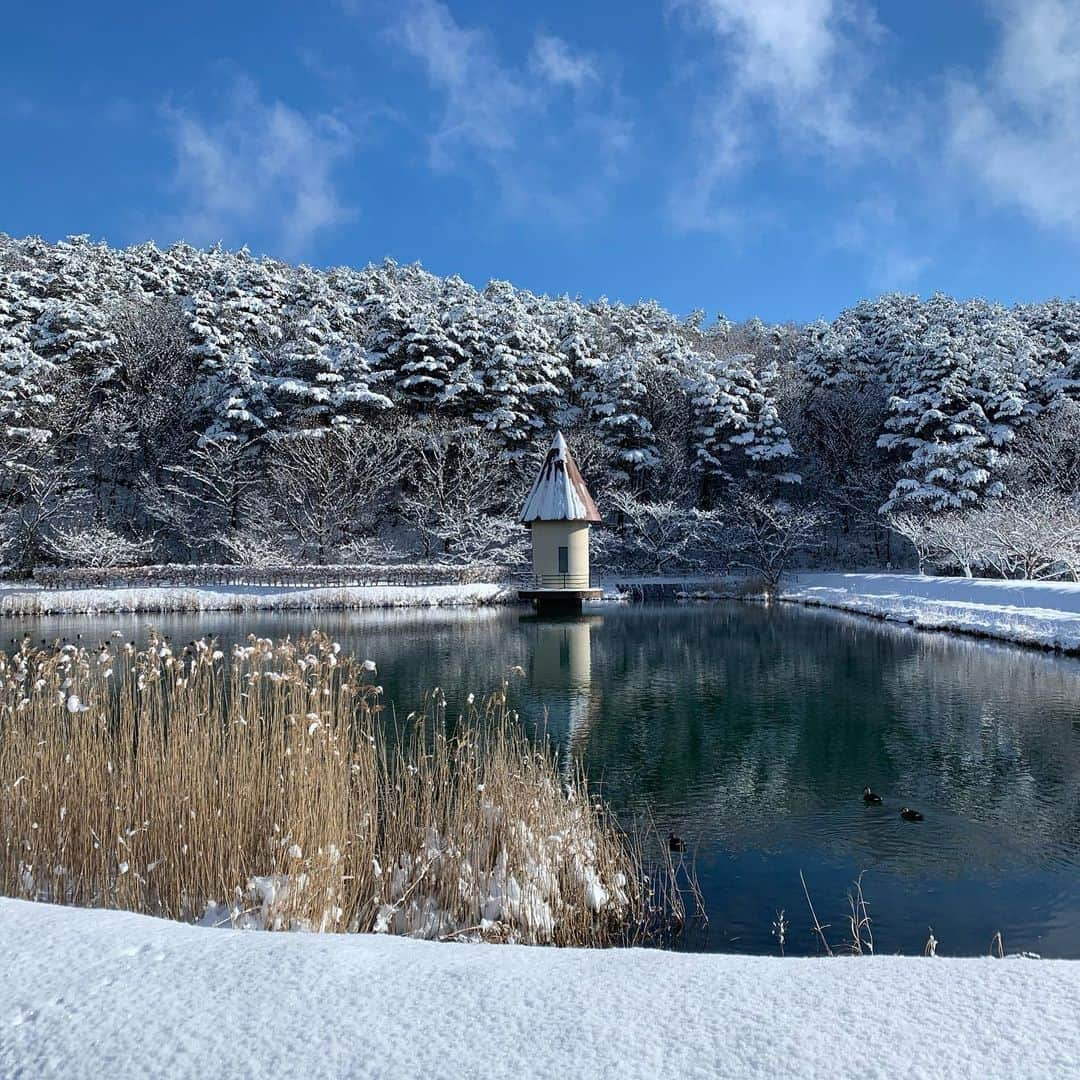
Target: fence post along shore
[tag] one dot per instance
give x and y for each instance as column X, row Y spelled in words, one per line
column 298, row 576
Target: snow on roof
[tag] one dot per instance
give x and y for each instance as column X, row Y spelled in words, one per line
column 559, row 493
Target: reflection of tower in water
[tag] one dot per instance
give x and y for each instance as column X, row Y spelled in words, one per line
column 560, row 673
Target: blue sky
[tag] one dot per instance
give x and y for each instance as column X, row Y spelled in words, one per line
column 783, row 158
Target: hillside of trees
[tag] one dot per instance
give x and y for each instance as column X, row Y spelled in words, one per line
column 186, row 405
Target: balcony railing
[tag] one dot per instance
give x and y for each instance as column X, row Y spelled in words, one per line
column 556, row 581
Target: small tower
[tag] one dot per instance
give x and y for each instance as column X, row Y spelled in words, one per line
column 559, row 511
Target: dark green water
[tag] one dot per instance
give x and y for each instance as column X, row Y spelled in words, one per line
column 751, row 731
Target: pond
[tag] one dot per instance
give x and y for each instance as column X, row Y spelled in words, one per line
column 750, row 731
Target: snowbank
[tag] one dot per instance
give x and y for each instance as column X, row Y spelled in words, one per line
column 105, row 993
column 161, row 598
column 1042, row 613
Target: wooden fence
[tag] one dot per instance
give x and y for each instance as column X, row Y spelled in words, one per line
column 207, row 575
column 195, row 576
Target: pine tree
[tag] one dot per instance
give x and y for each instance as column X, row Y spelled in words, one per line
column 736, row 424
column 116, row 363
column 938, row 429
column 236, row 399
column 322, row 366
column 1051, row 331
column 521, row 374
column 615, row 403
column 834, row 354
column 427, row 362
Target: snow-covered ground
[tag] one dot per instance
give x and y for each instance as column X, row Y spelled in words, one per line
column 20, row 600
column 106, row 993
column 1044, row 613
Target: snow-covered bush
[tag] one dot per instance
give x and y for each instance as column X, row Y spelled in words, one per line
column 96, row 546
column 254, row 547
column 1033, row 535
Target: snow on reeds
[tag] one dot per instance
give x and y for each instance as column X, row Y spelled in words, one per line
column 266, row 788
column 152, row 600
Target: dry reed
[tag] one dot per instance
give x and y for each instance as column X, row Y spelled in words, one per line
column 859, row 922
column 266, row 788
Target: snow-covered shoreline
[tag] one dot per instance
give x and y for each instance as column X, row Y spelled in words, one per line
column 108, row 993
column 1044, row 614
column 15, row 600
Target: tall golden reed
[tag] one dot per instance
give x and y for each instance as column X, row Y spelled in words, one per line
column 266, row 788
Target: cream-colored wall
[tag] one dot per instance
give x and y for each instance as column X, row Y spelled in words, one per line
column 562, row 656
column 547, row 538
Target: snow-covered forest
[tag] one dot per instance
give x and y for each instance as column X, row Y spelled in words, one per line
column 187, row 405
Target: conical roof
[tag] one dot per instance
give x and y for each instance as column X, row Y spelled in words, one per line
column 559, row 493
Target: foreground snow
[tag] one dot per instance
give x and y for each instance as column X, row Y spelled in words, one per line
column 160, row 598
column 1044, row 613
column 103, row 993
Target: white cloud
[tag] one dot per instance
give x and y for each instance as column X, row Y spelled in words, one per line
column 786, row 70
column 874, row 230
column 550, row 153
column 256, row 166
column 483, row 101
column 693, row 204
column 553, row 59
column 799, row 57
column 1018, row 128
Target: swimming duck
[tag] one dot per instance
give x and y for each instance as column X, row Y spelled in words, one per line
column 676, row 843
column 910, row 815
column 870, row 798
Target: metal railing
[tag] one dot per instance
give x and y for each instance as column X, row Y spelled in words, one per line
column 566, row 582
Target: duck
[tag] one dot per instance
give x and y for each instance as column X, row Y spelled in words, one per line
column 676, row 843
column 870, row 798
column 910, row 815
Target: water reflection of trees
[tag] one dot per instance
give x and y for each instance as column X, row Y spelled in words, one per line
column 992, row 733
column 742, row 715
column 740, row 719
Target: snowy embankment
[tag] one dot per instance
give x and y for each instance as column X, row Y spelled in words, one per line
column 161, row 598
column 1042, row 613
column 107, row 993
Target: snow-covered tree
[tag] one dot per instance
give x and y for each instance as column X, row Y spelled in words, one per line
column 151, row 391
column 521, row 373
column 736, row 425
column 325, row 375
column 660, row 535
column 210, row 500
column 456, row 502
column 768, row 535
column 1047, row 452
column 327, row 483
column 1032, row 535
column 938, row 427
column 615, row 402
